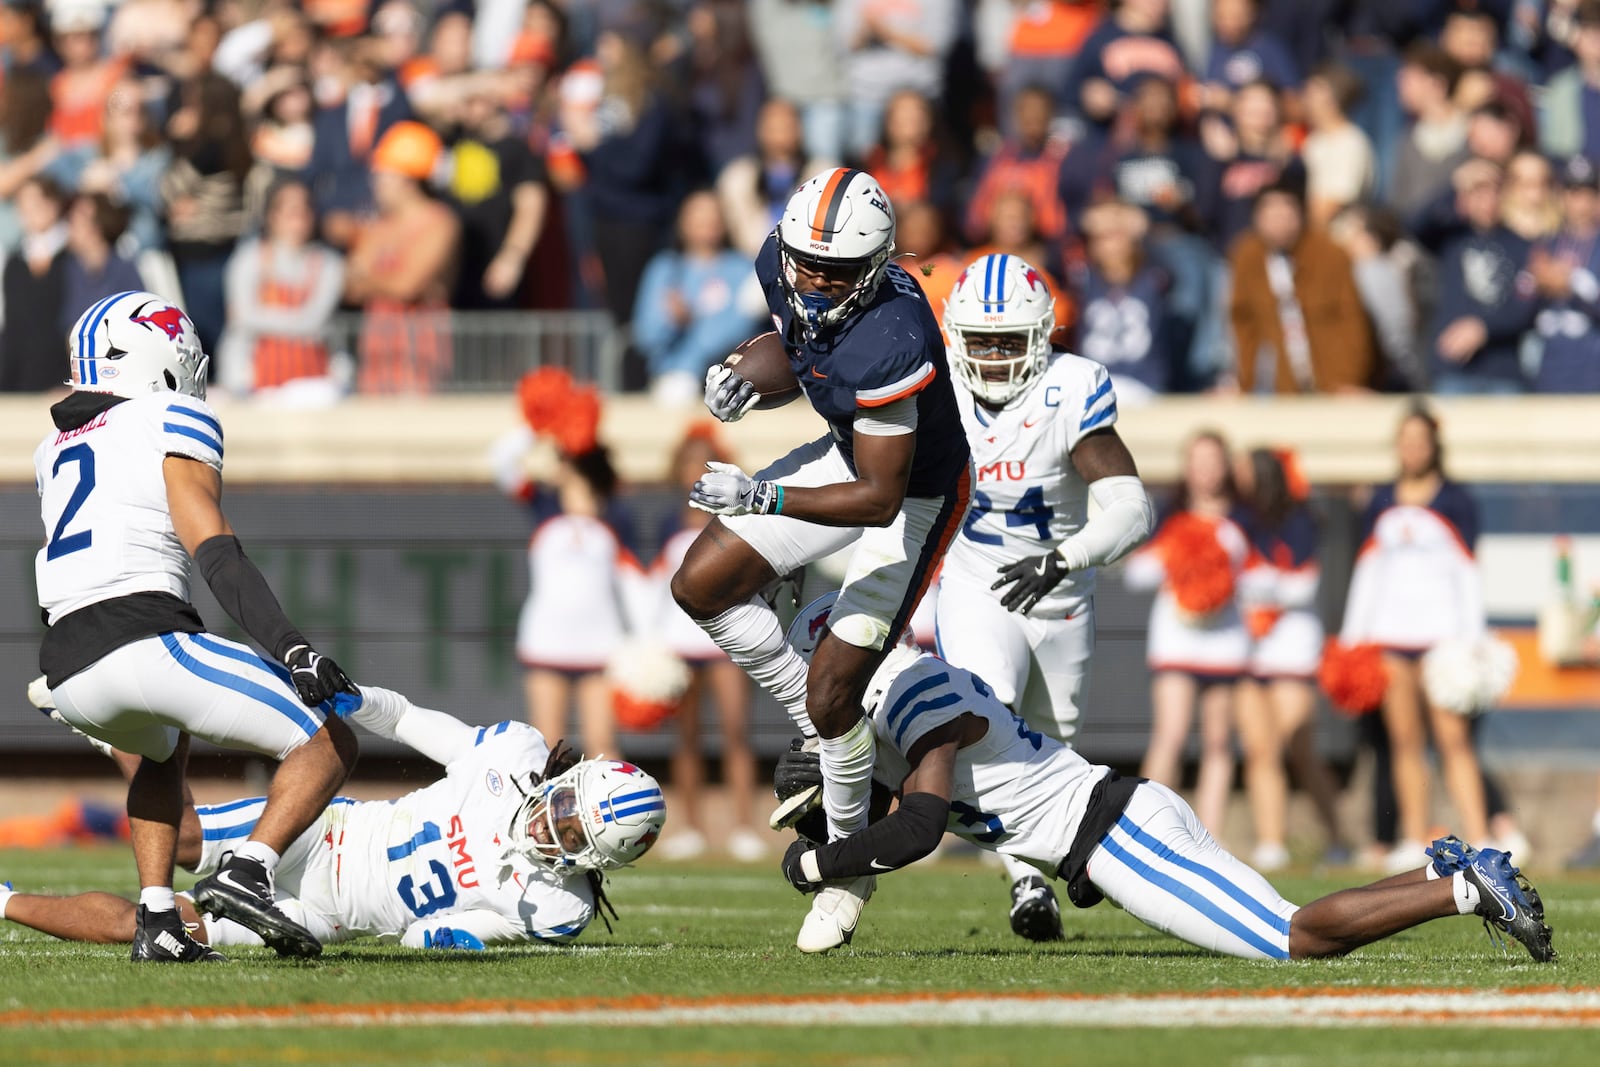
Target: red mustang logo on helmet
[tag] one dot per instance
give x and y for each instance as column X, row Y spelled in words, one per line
column 1032, row 277
column 818, row 621
column 169, row 320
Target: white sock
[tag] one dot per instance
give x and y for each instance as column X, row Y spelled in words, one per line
column 157, row 898
column 1016, row 870
column 1466, row 893
column 752, row 637
column 6, row 893
column 259, row 852
column 1433, row 872
column 847, row 779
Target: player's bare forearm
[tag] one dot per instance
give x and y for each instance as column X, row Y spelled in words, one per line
column 194, row 499
column 883, row 466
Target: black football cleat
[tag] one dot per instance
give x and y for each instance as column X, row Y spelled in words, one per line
column 241, row 890
column 1035, row 912
column 161, row 937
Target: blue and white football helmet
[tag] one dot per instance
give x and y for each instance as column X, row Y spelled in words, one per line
column 133, row 344
column 1003, row 295
column 600, row 814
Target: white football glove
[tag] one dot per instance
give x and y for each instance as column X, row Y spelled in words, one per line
column 728, row 395
column 726, row 490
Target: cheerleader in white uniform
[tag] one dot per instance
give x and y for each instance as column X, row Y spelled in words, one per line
column 579, row 568
column 1276, row 699
column 1416, row 583
column 1198, row 645
column 709, row 669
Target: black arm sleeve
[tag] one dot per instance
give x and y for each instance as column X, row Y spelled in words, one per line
column 245, row 595
column 903, row 838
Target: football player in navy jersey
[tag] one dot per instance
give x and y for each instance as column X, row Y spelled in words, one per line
column 891, row 478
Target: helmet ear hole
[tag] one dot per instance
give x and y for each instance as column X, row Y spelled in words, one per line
column 172, row 383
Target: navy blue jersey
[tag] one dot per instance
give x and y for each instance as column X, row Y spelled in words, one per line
column 1453, row 504
column 888, row 350
column 1291, row 545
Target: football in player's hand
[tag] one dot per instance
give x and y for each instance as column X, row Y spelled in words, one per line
column 763, row 363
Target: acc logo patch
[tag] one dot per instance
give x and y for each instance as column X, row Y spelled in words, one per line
column 494, row 782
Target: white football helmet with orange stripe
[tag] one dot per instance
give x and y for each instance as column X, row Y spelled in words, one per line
column 998, row 322
column 837, row 222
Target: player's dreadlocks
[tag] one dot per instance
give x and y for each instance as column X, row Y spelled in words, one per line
column 562, row 759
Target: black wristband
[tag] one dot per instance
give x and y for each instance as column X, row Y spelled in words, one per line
column 245, row 595
column 910, row 833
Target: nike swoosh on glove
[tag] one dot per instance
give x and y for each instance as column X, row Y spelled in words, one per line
column 726, row 490
column 728, row 395
column 1035, row 577
column 316, row 677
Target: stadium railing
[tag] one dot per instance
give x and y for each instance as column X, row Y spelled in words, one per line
column 492, row 349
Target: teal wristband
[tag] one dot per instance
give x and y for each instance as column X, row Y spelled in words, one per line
column 777, row 503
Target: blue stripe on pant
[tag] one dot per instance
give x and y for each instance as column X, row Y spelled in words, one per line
column 1194, row 899
column 227, row 822
column 282, row 703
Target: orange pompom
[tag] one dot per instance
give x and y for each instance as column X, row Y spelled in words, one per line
column 542, row 393
column 1295, row 477
column 1354, row 677
column 555, row 407
column 1199, row 569
column 639, row 715
column 1260, row 621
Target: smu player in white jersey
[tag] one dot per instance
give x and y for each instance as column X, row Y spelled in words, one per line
column 130, row 484
column 508, row 846
column 962, row 762
column 1057, row 495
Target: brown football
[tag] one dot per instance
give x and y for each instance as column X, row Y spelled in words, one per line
column 763, row 363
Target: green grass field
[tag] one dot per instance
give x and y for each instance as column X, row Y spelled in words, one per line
column 683, row 980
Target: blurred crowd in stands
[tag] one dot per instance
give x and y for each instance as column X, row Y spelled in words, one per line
column 1256, row 195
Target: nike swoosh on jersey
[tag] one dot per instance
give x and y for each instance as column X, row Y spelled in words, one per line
column 1028, row 424
column 817, row 374
column 875, row 865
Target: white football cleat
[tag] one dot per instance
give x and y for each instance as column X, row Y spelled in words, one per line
column 835, row 910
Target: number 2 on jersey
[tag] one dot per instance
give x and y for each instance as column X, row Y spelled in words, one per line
column 61, row 542
column 1031, row 510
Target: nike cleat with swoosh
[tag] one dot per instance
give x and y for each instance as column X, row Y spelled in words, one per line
column 161, row 937
column 1509, row 904
column 241, row 890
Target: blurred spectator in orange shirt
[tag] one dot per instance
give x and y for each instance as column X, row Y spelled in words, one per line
column 402, row 266
column 909, row 162
column 1029, row 161
column 282, row 287
column 79, row 91
column 1046, row 36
